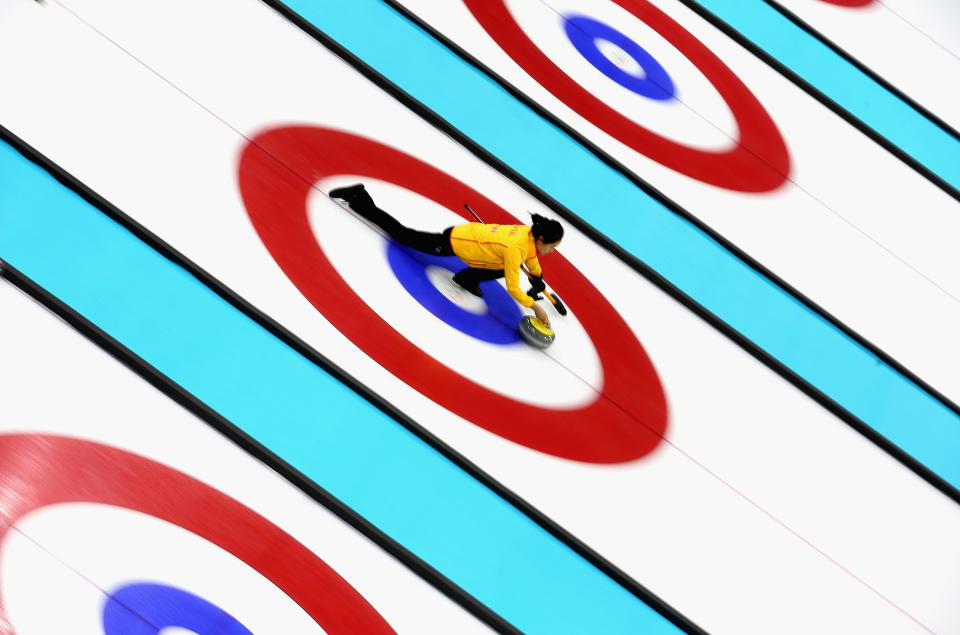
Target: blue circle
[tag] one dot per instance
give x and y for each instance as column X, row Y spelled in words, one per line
column 583, row 32
column 145, row 609
column 497, row 326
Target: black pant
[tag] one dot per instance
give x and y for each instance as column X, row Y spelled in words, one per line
column 428, row 243
column 471, row 275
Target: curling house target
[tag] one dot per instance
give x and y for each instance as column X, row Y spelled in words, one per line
column 757, row 162
column 277, row 171
column 65, row 470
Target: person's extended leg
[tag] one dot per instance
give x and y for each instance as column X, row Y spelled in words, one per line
column 362, row 203
column 471, row 277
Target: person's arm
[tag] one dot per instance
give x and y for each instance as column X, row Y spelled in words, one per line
column 533, row 266
column 511, row 272
column 512, row 260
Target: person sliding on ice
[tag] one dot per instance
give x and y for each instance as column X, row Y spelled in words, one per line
column 489, row 251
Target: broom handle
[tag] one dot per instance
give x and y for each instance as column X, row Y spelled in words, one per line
column 470, row 209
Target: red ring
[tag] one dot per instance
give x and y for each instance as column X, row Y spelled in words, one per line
column 759, row 162
column 277, row 172
column 849, row 3
column 40, row 470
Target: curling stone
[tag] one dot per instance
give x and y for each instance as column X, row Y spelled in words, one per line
column 535, row 333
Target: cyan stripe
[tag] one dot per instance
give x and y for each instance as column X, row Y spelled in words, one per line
column 844, row 83
column 298, row 411
column 763, row 312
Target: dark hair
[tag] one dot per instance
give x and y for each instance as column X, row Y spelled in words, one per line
column 546, row 229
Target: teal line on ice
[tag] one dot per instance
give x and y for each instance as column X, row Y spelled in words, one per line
column 844, row 83
column 302, row 414
column 777, row 322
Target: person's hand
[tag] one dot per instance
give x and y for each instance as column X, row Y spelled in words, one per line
column 540, row 313
column 537, row 286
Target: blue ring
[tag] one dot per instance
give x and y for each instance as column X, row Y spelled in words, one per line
column 497, row 325
column 583, row 32
column 145, row 609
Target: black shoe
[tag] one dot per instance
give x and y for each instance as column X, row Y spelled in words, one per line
column 472, row 287
column 347, row 194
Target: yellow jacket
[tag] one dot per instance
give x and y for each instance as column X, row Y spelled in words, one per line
column 498, row 247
